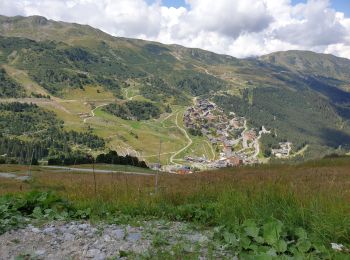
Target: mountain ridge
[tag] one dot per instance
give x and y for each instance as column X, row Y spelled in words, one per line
column 37, row 19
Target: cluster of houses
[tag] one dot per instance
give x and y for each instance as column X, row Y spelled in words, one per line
column 283, row 151
column 229, row 134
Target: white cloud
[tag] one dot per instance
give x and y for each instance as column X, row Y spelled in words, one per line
column 315, row 25
column 237, row 27
column 226, row 17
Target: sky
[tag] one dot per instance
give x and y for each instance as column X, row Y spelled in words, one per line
column 241, row 28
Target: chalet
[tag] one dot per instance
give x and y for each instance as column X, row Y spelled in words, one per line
column 227, row 151
column 250, row 135
column 155, row 166
column 184, row 170
column 235, row 161
column 235, row 123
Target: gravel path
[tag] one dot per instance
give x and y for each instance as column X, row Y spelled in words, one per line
column 13, row 176
column 81, row 240
column 96, row 170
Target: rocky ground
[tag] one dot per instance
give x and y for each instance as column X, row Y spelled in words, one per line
column 81, row 240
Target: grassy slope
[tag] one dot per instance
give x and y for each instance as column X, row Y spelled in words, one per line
column 313, row 196
column 308, row 62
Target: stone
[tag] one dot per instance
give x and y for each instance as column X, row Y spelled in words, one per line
column 118, row 233
column 92, row 253
column 35, row 230
column 40, row 252
column 133, row 237
column 83, row 226
column 49, row 230
column 107, row 238
column 68, row 237
column 337, row 247
column 196, row 238
column 61, row 240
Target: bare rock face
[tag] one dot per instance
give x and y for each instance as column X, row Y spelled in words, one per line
column 85, row 241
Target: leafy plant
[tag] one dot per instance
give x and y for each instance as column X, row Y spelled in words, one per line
column 16, row 211
column 269, row 240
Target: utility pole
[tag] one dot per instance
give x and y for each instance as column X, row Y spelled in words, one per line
column 93, row 171
column 30, row 164
column 91, row 157
column 156, row 181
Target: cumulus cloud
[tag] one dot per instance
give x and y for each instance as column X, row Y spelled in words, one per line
column 225, row 17
column 236, row 27
column 315, row 24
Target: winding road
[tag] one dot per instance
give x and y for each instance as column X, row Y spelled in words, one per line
column 92, row 112
column 301, row 151
column 187, row 137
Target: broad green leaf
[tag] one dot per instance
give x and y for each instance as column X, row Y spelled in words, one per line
column 245, row 242
column 37, row 213
column 230, row 238
column 259, row 240
column 271, row 252
column 263, row 257
column 263, row 249
column 281, row 246
column 252, row 231
column 249, row 223
column 301, row 233
column 272, row 231
column 303, row 245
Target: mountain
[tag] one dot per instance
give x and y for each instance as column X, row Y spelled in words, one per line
column 312, row 64
column 125, row 94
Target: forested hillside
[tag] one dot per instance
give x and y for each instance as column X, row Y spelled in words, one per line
column 28, row 131
column 8, row 87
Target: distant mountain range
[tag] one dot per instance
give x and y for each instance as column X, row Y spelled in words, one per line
column 300, row 96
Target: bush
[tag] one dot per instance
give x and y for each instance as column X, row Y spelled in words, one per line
column 16, row 211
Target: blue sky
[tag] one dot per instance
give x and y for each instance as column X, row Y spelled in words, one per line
column 339, row 5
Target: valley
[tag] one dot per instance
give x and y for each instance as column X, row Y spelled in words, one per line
column 136, row 94
column 118, row 148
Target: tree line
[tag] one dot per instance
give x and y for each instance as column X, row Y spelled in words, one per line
column 111, row 157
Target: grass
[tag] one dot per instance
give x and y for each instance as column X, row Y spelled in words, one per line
column 22, row 78
column 150, row 132
column 314, row 196
column 119, row 134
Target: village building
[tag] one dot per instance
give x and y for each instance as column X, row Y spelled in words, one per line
column 235, row 161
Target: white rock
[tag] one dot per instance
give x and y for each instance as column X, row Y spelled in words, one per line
column 49, row 230
column 92, row 253
column 83, row 226
column 40, row 252
column 68, row 237
column 35, row 230
column 133, row 237
column 337, row 247
column 118, row 233
column 107, row 238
